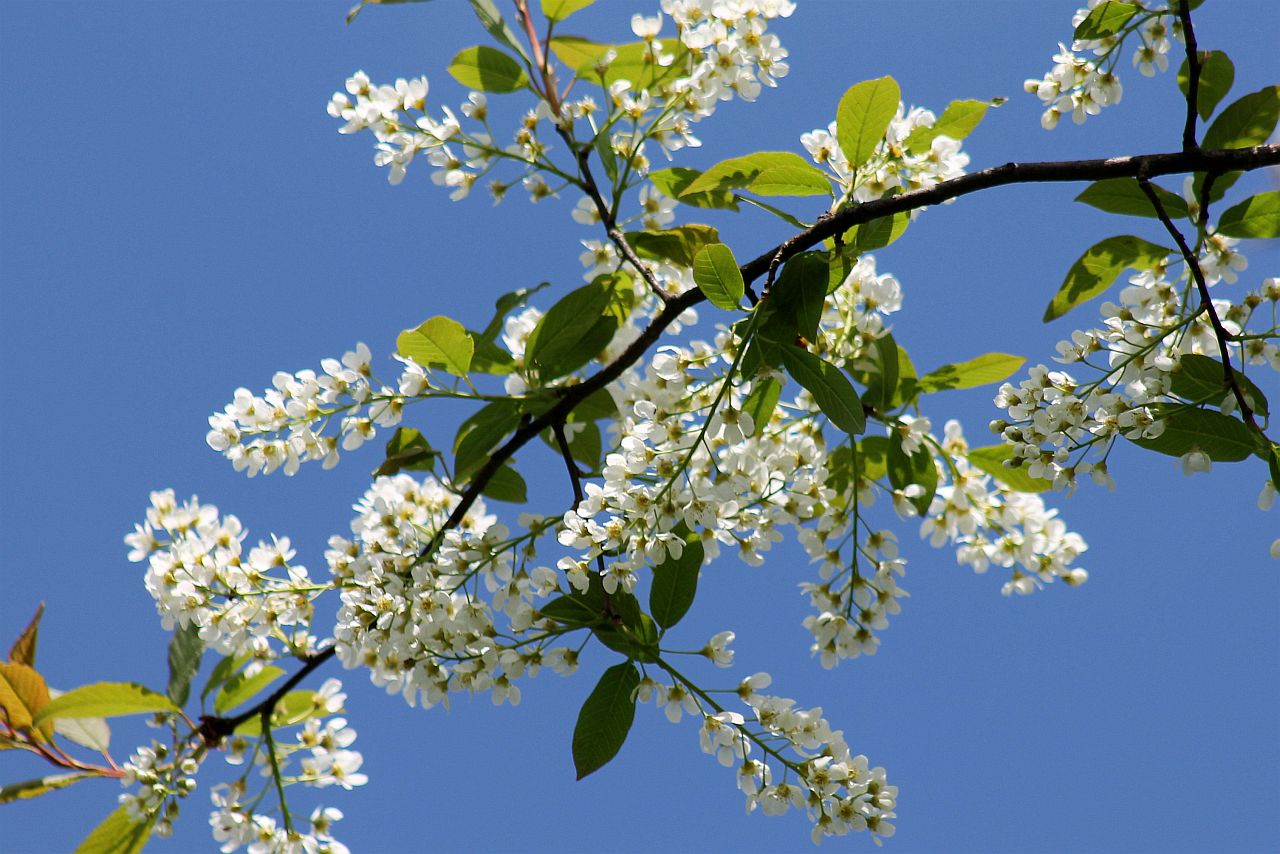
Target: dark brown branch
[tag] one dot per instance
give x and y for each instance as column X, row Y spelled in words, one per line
column 213, row 729
column 1193, row 76
column 1206, row 305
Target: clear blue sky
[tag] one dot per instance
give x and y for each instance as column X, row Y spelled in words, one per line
column 181, row 217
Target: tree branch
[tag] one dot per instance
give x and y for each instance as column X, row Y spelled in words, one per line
column 1193, row 76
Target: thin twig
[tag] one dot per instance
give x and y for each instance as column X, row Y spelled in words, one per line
column 1193, row 76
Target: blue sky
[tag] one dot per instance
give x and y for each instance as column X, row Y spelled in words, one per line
column 187, row 220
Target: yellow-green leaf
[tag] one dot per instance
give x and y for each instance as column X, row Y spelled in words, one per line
column 39, row 786
column 1245, row 122
column 984, row 369
column 1098, row 268
column 293, row 708
column 863, row 116
column 716, row 272
column 117, row 834
column 558, row 10
column 957, row 121
column 93, row 733
column 766, row 173
column 23, row 650
column 23, row 697
column 487, row 69
column 991, row 459
column 1256, row 216
column 242, row 687
column 438, row 341
column 105, row 700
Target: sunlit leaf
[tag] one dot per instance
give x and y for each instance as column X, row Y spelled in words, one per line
column 438, row 341
column 117, row 834
column 1217, row 73
column 981, row 370
column 23, row 650
column 1098, row 268
column 716, row 273
column 106, row 700
column 1125, row 196
column 991, row 459
column 863, row 116
column 243, row 687
column 41, row 785
column 1257, row 216
column 830, row 388
column 766, row 173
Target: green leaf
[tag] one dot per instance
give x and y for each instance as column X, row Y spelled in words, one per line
column 718, row 277
column 117, row 834
column 222, row 671
column 1256, row 216
column 185, row 651
column 917, row 468
column 1106, row 19
column 438, row 341
column 991, row 458
column 407, row 449
column 982, row 370
column 1217, row 73
column 572, row 610
column 778, row 212
column 487, row 69
column 23, row 650
column 877, row 233
column 908, row 380
column 1246, row 122
column 680, row 245
column 761, row 402
column 830, row 388
column 23, row 695
column 957, row 121
column 675, row 583
column 93, row 733
column 881, row 374
column 105, row 700
column 355, row 10
column 293, row 708
column 241, row 688
column 872, row 459
column 1187, row 429
column 503, row 306
column 863, row 116
column 794, row 306
column 494, row 25
column 675, row 180
column 480, row 434
column 39, row 786
column 1125, row 196
column 1201, row 379
column 578, row 327
column 1098, row 268
column 631, row 61
column 765, row 173
column 506, row 485
column 605, row 719
column 1273, row 464
column 558, row 10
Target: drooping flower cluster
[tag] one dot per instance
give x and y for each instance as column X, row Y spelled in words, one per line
column 412, row 609
column 1081, row 86
column 198, row 573
column 837, row 790
column 163, row 778
column 894, row 164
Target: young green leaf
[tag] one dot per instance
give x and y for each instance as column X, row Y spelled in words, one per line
column 438, row 341
column 1187, row 429
column 293, row 708
column 105, row 700
column 185, row 651
column 863, row 116
column 1104, row 20
column 503, row 306
column 679, row 245
column 872, row 458
column 480, row 434
column 605, row 719
column 982, row 370
column 487, row 69
column 494, row 25
column 674, row 180
column 877, row 233
column 1124, row 196
column 1256, row 216
column 506, row 485
column 675, row 583
column 222, row 671
column 23, row 650
column 1098, row 267
column 991, row 459
column 558, row 10
column 39, row 786
column 762, row 400
column 578, row 327
column 716, row 272
column 917, row 468
column 1246, row 122
column 1200, row 379
column 1217, row 73
column 957, row 121
column 407, row 449
column 93, row 733
column 117, row 834
column 242, row 687
column 830, row 388
column 765, row 173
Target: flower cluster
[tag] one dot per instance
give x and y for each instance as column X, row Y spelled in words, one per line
column 163, row 777
column 894, row 165
column 198, row 574
column 1082, row 86
column 412, row 610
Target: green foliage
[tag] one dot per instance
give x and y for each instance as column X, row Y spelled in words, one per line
column 41, row 785
column 879, row 232
column 881, row 374
column 480, row 434
column 605, row 719
column 185, row 651
column 863, row 116
column 830, row 388
column 586, row 58
column 917, row 468
column 1246, row 122
column 1201, row 379
column 1106, row 19
column 558, row 10
column 506, row 484
column 488, row 70
column 1257, row 216
column 1188, row 428
column 293, row 708
column 794, row 306
column 957, row 121
column 491, row 19
column 117, row 834
column 981, row 370
column 674, row 181
column 104, row 700
column 23, row 649
column 991, row 459
column 242, row 687
column 762, row 400
column 718, row 277
column 441, row 342
column 1125, row 196
column 675, row 582
column 579, row 326
column 407, row 450
column 1098, row 267
column 765, row 173
column 1217, row 73
column 680, row 245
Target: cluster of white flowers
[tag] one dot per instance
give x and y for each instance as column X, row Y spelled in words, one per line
column 992, row 524
column 284, row 427
column 838, row 791
column 893, row 165
column 198, row 574
column 1082, row 86
column 236, row 824
column 1052, row 415
column 163, row 778
column 420, row 624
